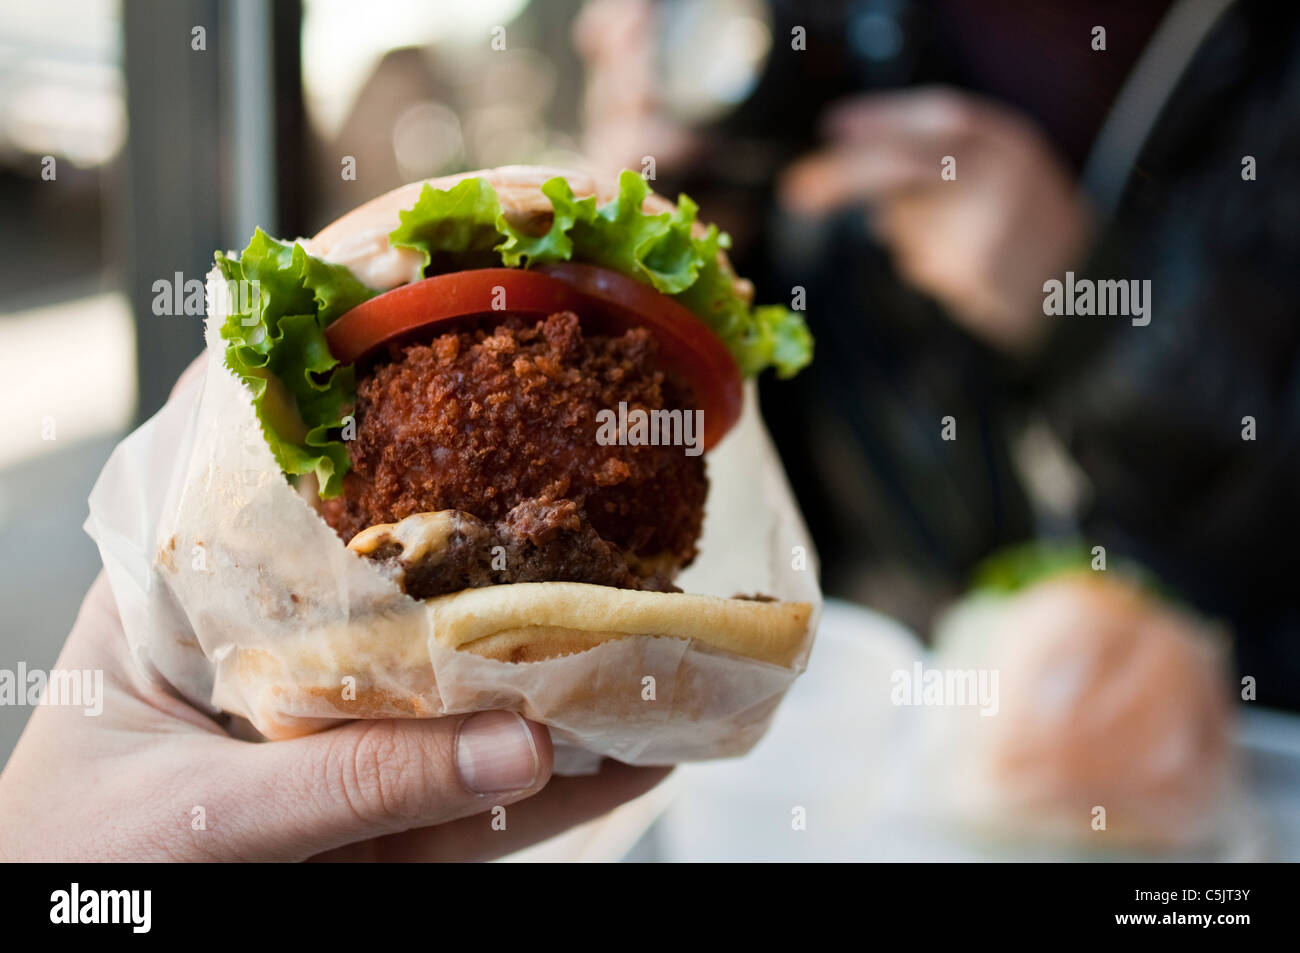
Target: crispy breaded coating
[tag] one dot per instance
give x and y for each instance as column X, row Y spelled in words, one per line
column 485, row 421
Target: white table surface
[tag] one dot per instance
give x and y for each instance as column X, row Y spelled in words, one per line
column 843, row 755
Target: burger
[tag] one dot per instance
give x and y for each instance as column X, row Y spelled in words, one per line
column 499, row 391
column 1109, row 725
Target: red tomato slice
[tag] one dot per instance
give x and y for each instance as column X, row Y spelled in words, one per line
column 605, row 300
column 392, row 316
column 687, row 345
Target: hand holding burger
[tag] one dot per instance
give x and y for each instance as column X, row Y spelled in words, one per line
column 448, row 457
column 152, row 779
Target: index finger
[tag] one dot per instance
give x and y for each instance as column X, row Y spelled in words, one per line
column 936, row 116
column 841, row 176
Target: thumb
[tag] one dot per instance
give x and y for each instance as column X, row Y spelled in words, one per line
column 370, row 778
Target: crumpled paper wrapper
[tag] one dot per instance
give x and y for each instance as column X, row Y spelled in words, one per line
column 211, row 553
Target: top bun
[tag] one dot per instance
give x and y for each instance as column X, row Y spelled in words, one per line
column 518, row 188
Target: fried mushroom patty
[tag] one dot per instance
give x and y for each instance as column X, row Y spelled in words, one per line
column 485, row 421
column 537, row 541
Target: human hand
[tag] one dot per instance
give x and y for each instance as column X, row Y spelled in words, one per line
column 983, row 243
column 125, row 784
column 623, row 119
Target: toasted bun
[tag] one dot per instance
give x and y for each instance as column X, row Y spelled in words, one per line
column 361, row 236
column 518, row 623
column 536, row 620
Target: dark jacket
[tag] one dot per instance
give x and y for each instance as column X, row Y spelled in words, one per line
column 1153, row 415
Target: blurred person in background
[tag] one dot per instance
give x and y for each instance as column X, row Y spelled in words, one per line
column 1160, row 148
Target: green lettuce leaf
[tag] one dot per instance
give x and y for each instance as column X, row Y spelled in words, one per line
column 1022, row 565
column 658, row 249
column 276, row 342
column 276, row 345
column 457, row 221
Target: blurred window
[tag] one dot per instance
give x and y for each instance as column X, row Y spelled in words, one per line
column 66, row 351
column 416, row 89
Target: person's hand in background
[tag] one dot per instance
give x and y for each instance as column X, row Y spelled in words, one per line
column 982, row 244
column 133, row 782
column 623, row 119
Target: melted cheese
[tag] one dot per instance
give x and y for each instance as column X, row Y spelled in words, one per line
column 420, row 535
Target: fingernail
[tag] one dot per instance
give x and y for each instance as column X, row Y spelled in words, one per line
column 495, row 752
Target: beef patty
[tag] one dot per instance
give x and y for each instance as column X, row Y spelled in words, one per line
column 500, row 426
column 538, row 541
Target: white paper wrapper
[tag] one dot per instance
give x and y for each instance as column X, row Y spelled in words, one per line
column 215, row 560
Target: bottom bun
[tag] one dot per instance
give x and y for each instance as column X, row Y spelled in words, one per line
column 383, row 666
column 531, row 621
